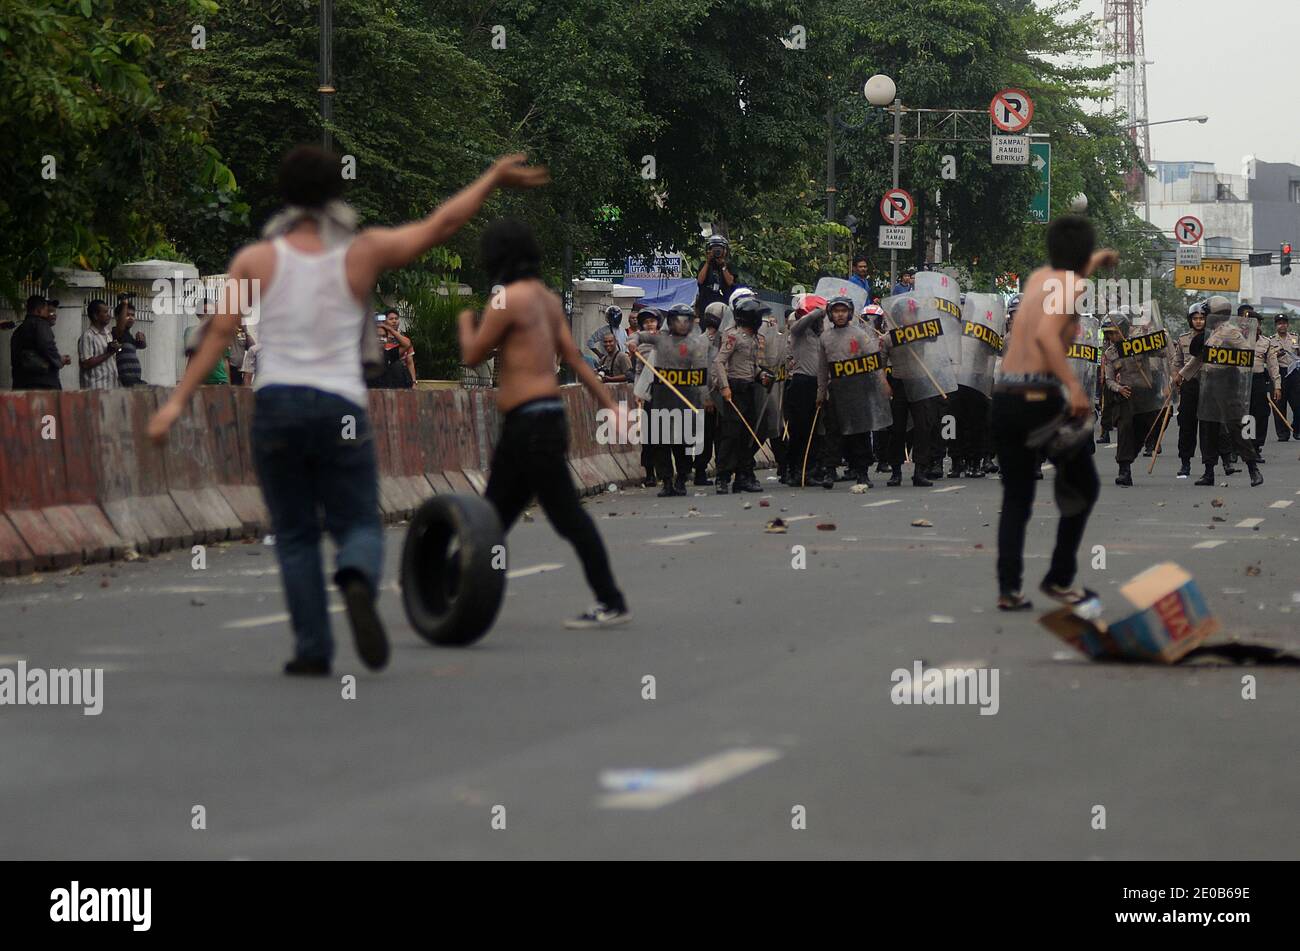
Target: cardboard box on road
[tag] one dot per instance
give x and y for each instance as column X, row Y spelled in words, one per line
column 1171, row 618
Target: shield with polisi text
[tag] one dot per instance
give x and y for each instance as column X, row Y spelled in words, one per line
column 944, row 295
column 1084, row 353
column 1227, row 360
column 983, row 330
column 1145, row 345
column 919, row 356
column 854, row 370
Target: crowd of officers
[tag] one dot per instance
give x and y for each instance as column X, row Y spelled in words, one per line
column 767, row 381
column 1228, row 436
column 762, row 385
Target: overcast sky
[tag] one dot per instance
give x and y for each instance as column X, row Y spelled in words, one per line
column 1232, row 60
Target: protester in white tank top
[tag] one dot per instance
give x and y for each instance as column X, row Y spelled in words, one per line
column 310, row 325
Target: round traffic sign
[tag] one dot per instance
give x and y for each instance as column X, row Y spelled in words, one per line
column 1189, row 230
column 897, row 207
column 1012, row 110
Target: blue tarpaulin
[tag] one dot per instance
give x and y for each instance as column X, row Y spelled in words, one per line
column 664, row 291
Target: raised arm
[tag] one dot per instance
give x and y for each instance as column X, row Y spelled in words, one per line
column 382, row 249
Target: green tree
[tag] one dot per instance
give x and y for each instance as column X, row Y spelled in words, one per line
column 101, row 127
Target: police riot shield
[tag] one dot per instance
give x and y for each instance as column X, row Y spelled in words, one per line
column 683, row 362
column 774, row 353
column 855, row 374
column 1227, row 359
column 1084, row 353
column 942, row 292
column 829, row 287
column 919, row 356
column 983, row 326
column 1145, row 344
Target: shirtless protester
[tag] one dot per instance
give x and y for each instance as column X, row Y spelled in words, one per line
column 1034, row 388
column 525, row 324
column 312, row 440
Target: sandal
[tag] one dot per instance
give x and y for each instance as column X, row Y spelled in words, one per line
column 1014, row 602
column 1072, row 597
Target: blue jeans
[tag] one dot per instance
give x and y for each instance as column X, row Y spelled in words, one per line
column 315, row 457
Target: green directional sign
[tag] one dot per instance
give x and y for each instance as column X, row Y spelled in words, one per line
column 1040, row 160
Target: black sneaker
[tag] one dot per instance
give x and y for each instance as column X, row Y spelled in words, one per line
column 649, row 483
column 301, row 667
column 367, row 628
column 921, row 482
column 895, row 478
column 1256, row 477
column 1104, row 438
column 1207, row 478
column 1125, row 476
column 749, row 484
column 668, row 491
column 723, row 488
column 598, row 616
column 1185, row 470
column 703, row 480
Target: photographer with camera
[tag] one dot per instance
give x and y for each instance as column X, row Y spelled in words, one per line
column 716, row 277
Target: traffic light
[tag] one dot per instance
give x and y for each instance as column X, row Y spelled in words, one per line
column 1286, row 259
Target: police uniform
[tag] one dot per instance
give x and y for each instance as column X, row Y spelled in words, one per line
column 710, row 417
column 1217, row 435
column 736, row 368
column 1126, row 372
column 770, row 426
column 681, row 359
column 1188, row 395
column 1288, row 365
column 855, row 362
column 1264, row 382
column 804, row 352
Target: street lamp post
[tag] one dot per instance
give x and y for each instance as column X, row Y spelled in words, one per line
column 326, row 88
column 1146, row 178
column 880, row 90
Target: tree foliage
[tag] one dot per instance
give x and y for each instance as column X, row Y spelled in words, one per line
column 657, row 117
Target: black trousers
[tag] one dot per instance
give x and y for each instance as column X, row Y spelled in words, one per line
column 1261, row 390
column 972, row 413
column 529, row 461
column 857, row 450
column 1132, row 430
column 828, row 443
column 800, row 407
column 1291, row 402
column 706, row 451
column 1076, row 487
column 1109, row 400
column 668, row 457
column 1188, row 398
column 924, row 414
column 648, row 454
column 735, row 445
column 1220, row 439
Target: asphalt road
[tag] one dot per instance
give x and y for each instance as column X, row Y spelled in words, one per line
column 772, row 692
